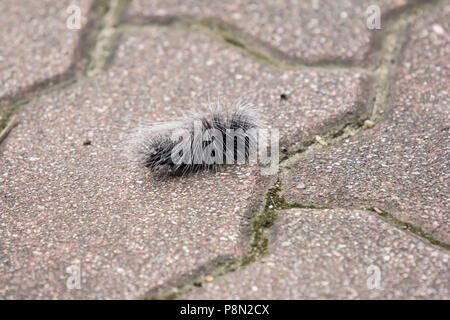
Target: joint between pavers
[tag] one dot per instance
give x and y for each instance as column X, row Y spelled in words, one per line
column 231, row 35
column 274, row 199
column 87, row 61
column 77, row 71
column 412, row 228
column 386, row 216
column 100, row 53
column 286, row 164
column 9, row 111
column 390, row 43
column 194, row 279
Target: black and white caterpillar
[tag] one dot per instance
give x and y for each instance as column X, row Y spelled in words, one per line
column 224, row 134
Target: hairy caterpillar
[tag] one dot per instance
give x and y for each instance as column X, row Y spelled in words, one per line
column 224, row 134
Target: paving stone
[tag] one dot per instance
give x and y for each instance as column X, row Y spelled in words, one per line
column 35, row 42
column 337, row 254
column 65, row 203
column 310, row 31
column 400, row 165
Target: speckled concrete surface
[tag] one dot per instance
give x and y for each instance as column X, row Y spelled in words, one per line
column 35, row 43
column 71, row 195
column 310, row 31
column 338, row 254
column 401, row 165
column 64, row 203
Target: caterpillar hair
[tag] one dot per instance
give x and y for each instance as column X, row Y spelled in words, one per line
column 223, row 134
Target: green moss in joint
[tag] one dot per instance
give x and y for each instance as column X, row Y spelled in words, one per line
column 5, row 114
column 410, row 227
